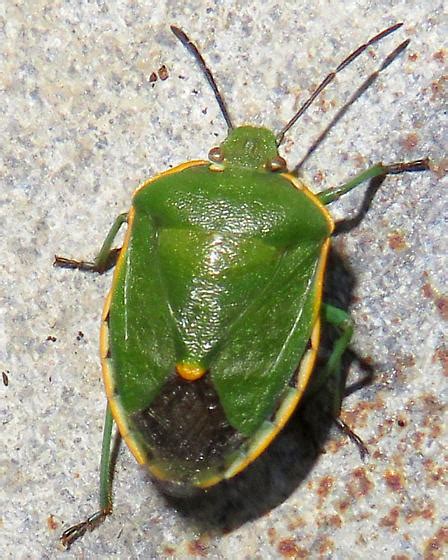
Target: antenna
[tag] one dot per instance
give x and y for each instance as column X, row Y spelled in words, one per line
column 350, row 58
column 192, row 48
column 356, row 95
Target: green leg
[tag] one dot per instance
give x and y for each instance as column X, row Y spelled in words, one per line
column 106, row 473
column 378, row 170
column 105, row 259
column 341, row 320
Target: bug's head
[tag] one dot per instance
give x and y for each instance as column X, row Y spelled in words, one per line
column 250, row 147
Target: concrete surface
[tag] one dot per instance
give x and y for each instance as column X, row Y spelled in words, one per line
column 82, row 124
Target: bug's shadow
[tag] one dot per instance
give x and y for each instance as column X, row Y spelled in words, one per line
column 275, row 475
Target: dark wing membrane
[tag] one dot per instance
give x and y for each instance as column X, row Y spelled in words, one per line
column 265, row 345
column 185, row 432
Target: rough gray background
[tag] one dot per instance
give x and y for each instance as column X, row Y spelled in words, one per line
column 81, row 125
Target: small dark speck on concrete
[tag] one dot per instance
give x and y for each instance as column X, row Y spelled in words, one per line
column 163, row 73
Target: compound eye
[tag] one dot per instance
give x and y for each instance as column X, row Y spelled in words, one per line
column 215, row 155
column 277, row 164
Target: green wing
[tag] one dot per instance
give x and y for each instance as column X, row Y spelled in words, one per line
column 265, row 345
column 142, row 332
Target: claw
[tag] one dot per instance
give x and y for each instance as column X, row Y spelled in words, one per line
column 77, row 531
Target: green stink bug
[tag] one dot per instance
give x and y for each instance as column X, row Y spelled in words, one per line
column 211, row 328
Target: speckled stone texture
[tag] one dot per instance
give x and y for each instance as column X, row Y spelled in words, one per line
column 83, row 122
